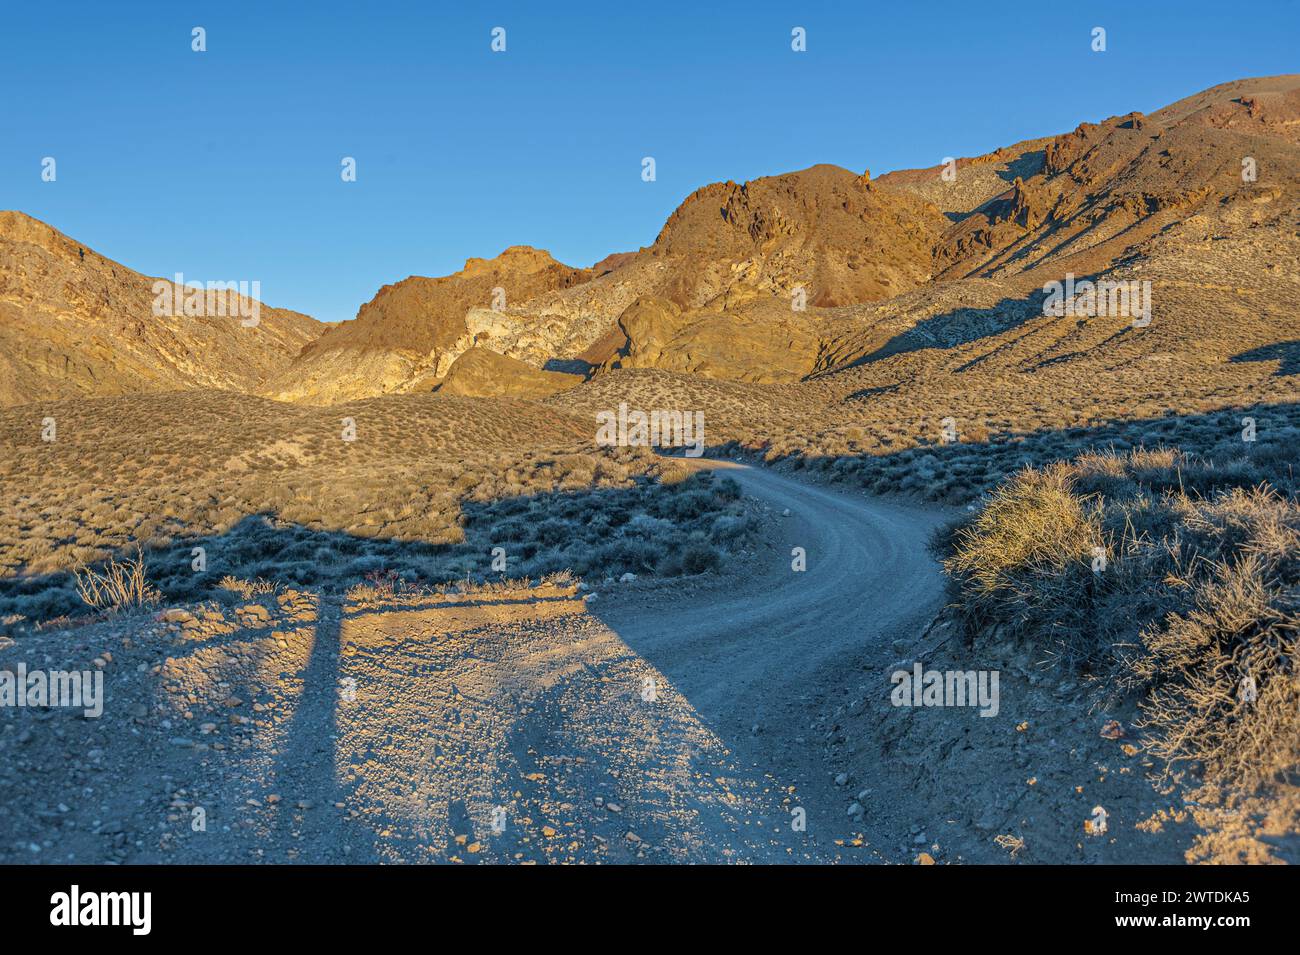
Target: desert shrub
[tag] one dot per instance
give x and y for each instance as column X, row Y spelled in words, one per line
column 553, row 532
column 670, row 564
column 727, row 489
column 1220, row 674
column 731, row 528
column 365, row 565
column 55, row 600
column 120, row 585
column 617, row 516
column 1103, row 473
column 700, row 558
column 625, row 554
column 650, row 528
column 1027, row 552
column 690, row 504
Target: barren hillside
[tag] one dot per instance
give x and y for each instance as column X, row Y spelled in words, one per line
column 73, row 322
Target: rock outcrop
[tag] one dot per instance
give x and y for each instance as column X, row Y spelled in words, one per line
column 764, row 281
column 407, row 337
column 762, row 341
column 482, row 373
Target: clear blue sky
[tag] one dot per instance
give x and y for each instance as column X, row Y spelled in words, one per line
column 225, row 165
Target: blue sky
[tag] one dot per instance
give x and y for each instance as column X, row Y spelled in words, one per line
column 225, row 165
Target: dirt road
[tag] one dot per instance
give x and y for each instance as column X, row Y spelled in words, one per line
column 660, row 722
column 756, row 662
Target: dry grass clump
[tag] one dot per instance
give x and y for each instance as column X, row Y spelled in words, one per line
column 380, row 584
column 1034, row 520
column 120, row 585
column 1196, row 606
column 1220, row 669
column 248, row 589
column 373, row 592
column 1031, row 545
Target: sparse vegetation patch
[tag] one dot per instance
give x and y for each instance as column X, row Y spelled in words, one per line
column 1168, row 575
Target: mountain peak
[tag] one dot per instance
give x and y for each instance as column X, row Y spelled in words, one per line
column 516, row 258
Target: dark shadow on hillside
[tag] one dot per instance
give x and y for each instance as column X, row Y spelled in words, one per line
column 959, row 472
column 953, row 328
column 862, row 394
column 1030, row 164
column 570, row 366
column 1286, row 354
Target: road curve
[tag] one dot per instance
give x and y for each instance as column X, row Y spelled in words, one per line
column 669, row 722
column 868, row 574
column 764, row 652
column 660, row 721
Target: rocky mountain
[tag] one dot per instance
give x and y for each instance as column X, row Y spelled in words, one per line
column 1200, row 199
column 824, row 235
column 1087, row 201
column 832, row 233
column 74, row 323
column 777, row 279
column 407, row 337
column 1195, row 209
column 769, row 281
column 763, row 340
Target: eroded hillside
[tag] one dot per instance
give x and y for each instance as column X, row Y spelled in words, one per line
column 73, row 322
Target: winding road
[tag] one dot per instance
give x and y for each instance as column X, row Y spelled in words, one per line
column 669, row 721
column 779, row 642
column 661, row 724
